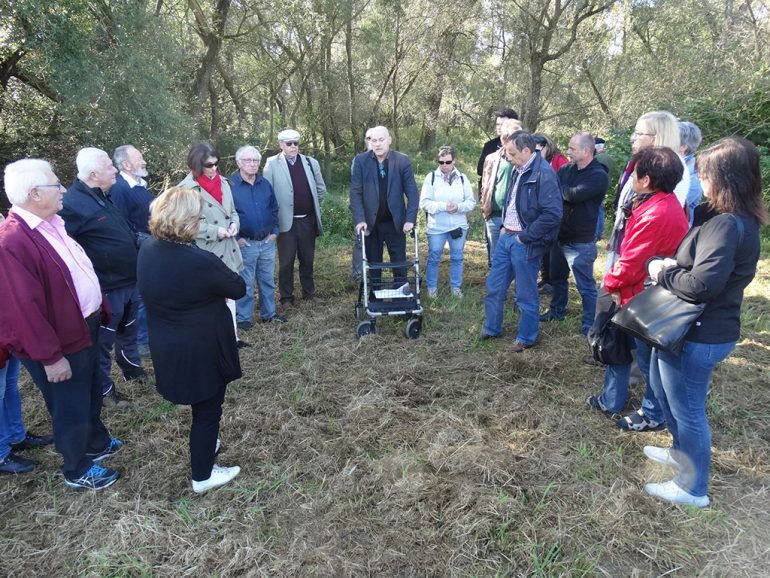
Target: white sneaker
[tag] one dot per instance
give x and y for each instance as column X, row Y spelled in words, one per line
column 671, row 492
column 219, row 477
column 661, row 456
column 432, row 293
column 457, row 292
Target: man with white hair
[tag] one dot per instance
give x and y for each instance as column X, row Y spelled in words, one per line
column 132, row 198
column 52, row 306
column 94, row 221
column 690, row 138
column 258, row 213
column 381, row 179
column 299, row 189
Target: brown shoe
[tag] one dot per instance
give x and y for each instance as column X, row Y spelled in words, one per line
column 286, row 305
column 517, row 346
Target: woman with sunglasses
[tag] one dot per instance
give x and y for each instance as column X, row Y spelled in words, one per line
column 713, row 265
column 653, row 224
column 219, row 220
column 446, row 197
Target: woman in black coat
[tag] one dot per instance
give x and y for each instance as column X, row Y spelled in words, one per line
column 713, row 265
column 192, row 340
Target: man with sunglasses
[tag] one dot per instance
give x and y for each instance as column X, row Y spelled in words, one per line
column 381, row 179
column 299, row 189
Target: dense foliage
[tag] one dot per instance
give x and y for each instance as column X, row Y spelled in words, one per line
column 163, row 73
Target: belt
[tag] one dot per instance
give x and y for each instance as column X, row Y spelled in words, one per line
column 262, row 238
column 95, row 315
column 507, row 231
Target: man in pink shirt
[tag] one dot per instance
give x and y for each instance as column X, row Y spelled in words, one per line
column 52, row 307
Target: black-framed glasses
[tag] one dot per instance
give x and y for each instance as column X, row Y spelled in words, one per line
column 210, row 165
column 291, row 143
column 446, row 162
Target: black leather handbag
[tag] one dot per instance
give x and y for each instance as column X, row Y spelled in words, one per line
column 609, row 345
column 658, row 317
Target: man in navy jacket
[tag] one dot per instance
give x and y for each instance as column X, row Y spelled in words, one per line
column 381, row 179
column 92, row 220
column 531, row 216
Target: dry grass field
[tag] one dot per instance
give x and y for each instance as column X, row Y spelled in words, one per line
column 440, row 457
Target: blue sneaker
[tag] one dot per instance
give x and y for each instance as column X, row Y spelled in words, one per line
column 96, row 478
column 113, row 447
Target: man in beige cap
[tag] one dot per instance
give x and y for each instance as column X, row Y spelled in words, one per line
column 299, row 189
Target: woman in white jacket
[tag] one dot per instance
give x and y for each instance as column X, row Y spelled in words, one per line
column 446, row 197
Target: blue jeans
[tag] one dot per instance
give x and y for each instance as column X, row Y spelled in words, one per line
column 12, row 429
column 510, row 262
column 436, row 242
column 578, row 258
column 681, row 383
column 616, row 385
column 493, row 226
column 259, row 261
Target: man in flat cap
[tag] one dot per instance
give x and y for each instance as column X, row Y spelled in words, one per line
column 299, row 189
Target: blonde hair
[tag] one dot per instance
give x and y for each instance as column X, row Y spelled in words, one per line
column 664, row 126
column 509, row 126
column 175, row 215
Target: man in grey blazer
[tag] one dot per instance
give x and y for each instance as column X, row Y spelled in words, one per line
column 380, row 180
column 299, row 189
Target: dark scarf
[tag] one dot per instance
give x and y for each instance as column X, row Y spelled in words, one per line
column 212, row 186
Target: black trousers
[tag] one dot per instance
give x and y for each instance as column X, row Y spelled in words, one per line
column 203, row 434
column 297, row 243
column 75, row 406
column 382, row 235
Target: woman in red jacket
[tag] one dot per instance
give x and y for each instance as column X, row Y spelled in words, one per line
column 654, row 225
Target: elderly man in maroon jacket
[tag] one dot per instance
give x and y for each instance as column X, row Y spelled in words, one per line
column 50, row 319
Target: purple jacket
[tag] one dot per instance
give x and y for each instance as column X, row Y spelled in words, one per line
column 40, row 317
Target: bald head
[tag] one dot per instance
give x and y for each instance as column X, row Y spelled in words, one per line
column 379, row 140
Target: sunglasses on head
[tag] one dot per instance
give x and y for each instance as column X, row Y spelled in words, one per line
column 210, row 165
column 445, row 162
column 291, row 143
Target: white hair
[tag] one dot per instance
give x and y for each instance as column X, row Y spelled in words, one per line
column 248, row 148
column 89, row 160
column 120, row 156
column 22, row 176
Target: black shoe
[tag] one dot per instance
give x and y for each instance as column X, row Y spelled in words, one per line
column 286, row 306
column 275, row 319
column 551, row 317
column 14, row 464
column 32, row 441
column 135, row 374
column 244, row 325
column 241, row 344
column 115, row 400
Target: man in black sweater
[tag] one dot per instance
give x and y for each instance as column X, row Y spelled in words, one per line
column 92, row 219
column 583, row 186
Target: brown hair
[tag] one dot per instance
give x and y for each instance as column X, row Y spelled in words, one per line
column 662, row 165
column 175, row 215
column 731, row 165
column 198, row 154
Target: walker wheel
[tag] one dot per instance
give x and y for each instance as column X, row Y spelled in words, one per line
column 365, row 328
column 413, row 328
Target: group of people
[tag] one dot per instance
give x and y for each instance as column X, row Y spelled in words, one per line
column 108, row 269
column 536, row 204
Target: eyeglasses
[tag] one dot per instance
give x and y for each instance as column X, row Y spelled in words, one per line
column 57, row 185
column 446, row 162
column 638, row 134
column 291, row 143
column 210, row 165
column 251, row 161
